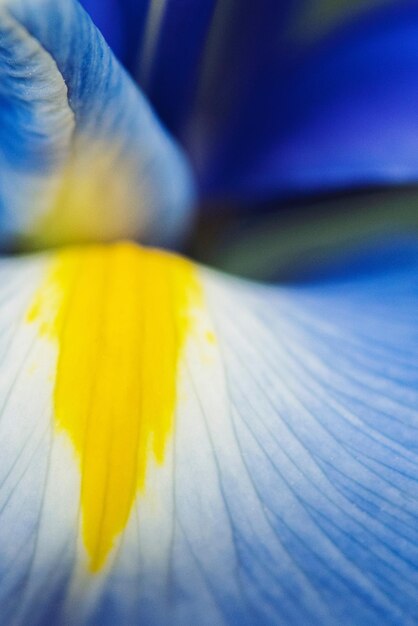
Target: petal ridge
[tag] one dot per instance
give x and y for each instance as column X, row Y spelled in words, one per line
column 120, row 157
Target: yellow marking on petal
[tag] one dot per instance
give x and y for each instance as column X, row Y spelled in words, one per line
column 210, row 336
column 120, row 315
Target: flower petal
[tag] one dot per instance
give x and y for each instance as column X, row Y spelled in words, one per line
column 308, row 113
column 198, row 449
column 82, row 156
column 282, row 98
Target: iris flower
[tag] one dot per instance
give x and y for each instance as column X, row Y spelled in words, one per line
column 180, row 445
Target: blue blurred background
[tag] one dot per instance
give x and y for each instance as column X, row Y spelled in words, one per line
column 300, row 118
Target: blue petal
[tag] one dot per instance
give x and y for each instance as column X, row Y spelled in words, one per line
column 283, row 98
column 122, row 23
column 292, row 494
column 83, row 156
column 109, row 17
column 342, row 112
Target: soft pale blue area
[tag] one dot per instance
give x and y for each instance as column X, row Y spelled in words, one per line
column 322, row 380
column 266, row 108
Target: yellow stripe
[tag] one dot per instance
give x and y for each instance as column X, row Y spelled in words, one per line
column 120, row 316
column 89, row 199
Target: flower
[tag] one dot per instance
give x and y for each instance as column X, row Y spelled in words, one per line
column 178, row 445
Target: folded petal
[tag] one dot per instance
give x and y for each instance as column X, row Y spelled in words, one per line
column 282, row 98
column 82, row 157
column 181, row 447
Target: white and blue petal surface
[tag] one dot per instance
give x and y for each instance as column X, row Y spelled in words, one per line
column 83, row 157
column 291, row 493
